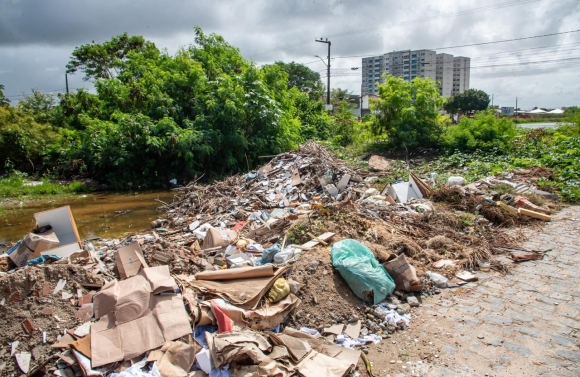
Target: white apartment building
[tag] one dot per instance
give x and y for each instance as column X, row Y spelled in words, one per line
column 461, row 68
column 452, row 73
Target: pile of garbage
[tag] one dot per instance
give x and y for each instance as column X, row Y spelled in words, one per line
column 292, row 269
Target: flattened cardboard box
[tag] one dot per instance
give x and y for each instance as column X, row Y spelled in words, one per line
column 133, row 320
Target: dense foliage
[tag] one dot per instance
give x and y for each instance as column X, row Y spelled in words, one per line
column 468, row 101
column 155, row 117
column 408, row 112
column 483, row 132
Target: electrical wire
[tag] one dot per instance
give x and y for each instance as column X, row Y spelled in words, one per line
column 403, row 23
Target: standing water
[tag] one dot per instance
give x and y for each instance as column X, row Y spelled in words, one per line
column 104, row 215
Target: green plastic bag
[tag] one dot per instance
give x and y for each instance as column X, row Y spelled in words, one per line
column 365, row 276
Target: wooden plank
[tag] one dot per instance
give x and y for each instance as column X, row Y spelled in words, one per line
column 324, row 237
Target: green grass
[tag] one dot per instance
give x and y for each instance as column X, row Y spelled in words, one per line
column 15, row 186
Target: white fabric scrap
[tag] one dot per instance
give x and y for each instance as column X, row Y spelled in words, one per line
column 349, row 342
column 135, row 370
column 309, row 331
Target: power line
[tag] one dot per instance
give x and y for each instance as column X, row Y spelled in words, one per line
column 472, row 44
column 404, row 23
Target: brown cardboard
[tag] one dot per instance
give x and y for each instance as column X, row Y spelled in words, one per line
column 237, row 273
column 219, row 238
column 160, row 278
column 30, row 247
column 134, row 298
column 140, row 335
column 46, row 241
column 129, row 260
column 171, row 316
column 83, row 345
column 64, row 226
column 104, row 301
column 243, row 293
column 176, row 359
column 105, row 342
column 133, row 320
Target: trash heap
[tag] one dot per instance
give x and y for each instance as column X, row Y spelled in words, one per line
column 292, row 269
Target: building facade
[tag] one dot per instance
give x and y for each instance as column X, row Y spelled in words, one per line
column 451, row 73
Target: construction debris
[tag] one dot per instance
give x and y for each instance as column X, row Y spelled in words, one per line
column 235, row 262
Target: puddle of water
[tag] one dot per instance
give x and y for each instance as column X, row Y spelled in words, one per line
column 94, row 214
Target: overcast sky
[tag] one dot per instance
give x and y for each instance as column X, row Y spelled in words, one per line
column 37, row 37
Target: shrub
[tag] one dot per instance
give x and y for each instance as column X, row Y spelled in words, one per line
column 483, row 132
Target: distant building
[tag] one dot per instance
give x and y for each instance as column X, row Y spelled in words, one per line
column 451, row 73
column 509, row 111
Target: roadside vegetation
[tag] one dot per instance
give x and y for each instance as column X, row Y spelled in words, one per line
column 206, row 112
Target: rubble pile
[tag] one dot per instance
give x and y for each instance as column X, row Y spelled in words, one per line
column 292, row 269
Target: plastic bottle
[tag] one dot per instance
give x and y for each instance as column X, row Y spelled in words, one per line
column 439, row 280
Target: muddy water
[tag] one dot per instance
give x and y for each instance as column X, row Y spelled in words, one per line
column 96, row 215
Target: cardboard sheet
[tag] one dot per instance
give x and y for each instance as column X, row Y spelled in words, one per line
column 237, row 273
column 335, row 330
column 171, row 316
column 133, row 320
column 176, row 359
column 244, row 293
column 297, row 348
column 83, row 345
column 270, row 316
column 130, row 260
column 160, row 278
column 353, row 329
column 319, row 365
column 228, row 348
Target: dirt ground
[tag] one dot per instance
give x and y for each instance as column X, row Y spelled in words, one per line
column 28, row 294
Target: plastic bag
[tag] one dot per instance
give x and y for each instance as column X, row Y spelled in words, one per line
column 279, row 290
column 364, row 275
column 268, row 254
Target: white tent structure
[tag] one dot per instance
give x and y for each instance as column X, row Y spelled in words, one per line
column 537, row 111
column 556, row 111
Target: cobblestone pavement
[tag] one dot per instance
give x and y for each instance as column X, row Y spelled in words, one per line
column 526, row 323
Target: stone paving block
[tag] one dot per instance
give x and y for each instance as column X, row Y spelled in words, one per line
column 528, row 330
column 561, row 340
column 500, row 320
column 564, row 330
column 573, row 356
column 517, row 316
column 469, row 309
column 546, row 308
column 520, row 350
column 491, row 307
column 547, row 300
column 560, row 296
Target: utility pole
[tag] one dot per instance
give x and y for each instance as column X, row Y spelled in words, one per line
column 493, row 95
column 66, row 80
column 327, row 70
column 516, row 107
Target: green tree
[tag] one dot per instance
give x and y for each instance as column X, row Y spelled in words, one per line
column 38, row 105
column 468, row 101
column 3, row 100
column 303, row 78
column 104, row 60
column 344, row 125
column 408, row 112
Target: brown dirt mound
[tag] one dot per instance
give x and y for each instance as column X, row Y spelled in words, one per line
column 28, row 294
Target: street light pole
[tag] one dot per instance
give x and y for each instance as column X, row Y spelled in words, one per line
column 327, row 70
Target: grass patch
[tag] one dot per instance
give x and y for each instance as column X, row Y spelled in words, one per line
column 16, row 186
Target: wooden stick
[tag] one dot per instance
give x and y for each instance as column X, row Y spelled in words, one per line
column 317, row 239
